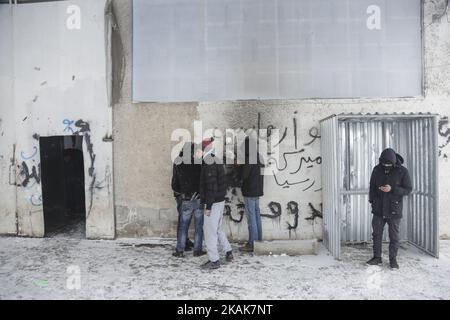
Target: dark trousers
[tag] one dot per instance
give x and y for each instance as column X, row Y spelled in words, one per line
column 190, row 209
column 377, row 235
column 179, row 200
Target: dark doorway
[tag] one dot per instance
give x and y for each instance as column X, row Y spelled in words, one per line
column 62, row 172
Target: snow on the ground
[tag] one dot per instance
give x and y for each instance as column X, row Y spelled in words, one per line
column 145, row 269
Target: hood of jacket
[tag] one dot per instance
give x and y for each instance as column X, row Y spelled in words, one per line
column 250, row 146
column 400, row 160
column 190, row 148
column 388, row 155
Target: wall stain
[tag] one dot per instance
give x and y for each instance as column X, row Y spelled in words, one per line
column 275, row 209
column 85, row 130
column 292, row 208
column 444, row 132
column 315, row 213
column 27, row 176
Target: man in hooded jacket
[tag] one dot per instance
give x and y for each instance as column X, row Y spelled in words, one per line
column 389, row 183
column 252, row 189
column 185, row 185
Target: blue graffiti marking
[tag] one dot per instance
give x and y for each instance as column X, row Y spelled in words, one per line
column 68, row 123
column 35, row 150
column 34, row 202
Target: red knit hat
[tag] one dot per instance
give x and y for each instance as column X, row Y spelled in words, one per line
column 207, row 142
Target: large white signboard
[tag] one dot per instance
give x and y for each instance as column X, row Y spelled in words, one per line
column 195, row 50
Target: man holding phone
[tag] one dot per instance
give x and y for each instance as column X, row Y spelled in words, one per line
column 389, row 183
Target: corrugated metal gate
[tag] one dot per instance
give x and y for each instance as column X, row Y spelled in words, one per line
column 330, row 187
column 351, row 145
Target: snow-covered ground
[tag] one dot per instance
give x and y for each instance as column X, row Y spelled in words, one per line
column 145, row 269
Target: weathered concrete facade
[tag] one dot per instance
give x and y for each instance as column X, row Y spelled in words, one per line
column 55, row 83
column 63, row 89
column 143, row 198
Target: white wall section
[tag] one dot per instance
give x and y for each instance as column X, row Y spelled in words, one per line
column 60, row 88
column 196, row 50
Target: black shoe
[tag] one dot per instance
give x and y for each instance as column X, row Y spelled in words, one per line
column 178, row 254
column 229, row 256
column 374, row 261
column 246, row 248
column 211, row 265
column 199, row 253
column 393, row 263
column 189, row 245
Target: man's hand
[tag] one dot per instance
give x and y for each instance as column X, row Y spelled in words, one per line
column 387, row 188
column 207, row 212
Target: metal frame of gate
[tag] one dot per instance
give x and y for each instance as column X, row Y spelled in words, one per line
column 350, row 147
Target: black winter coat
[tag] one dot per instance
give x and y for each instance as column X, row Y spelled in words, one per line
column 252, row 180
column 389, row 205
column 186, row 178
column 250, row 173
column 212, row 183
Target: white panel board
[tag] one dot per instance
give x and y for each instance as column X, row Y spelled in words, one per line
column 190, row 50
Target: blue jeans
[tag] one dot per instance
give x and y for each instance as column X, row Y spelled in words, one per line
column 179, row 202
column 189, row 209
column 253, row 219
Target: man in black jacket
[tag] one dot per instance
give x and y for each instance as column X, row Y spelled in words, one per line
column 389, row 183
column 252, row 190
column 185, row 183
column 212, row 195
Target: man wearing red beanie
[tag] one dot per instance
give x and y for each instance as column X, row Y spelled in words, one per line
column 212, row 197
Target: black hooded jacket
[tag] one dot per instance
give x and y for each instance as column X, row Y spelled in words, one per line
column 186, row 177
column 389, row 204
column 251, row 176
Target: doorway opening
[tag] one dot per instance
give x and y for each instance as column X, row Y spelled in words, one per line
column 63, row 188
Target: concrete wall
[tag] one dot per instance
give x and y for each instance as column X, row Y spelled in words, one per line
column 7, row 128
column 61, row 85
column 142, row 146
column 60, row 88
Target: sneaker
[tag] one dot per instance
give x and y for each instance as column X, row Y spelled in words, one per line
column 229, row 256
column 211, row 265
column 178, row 254
column 374, row 261
column 199, row 253
column 393, row 263
column 246, row 248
